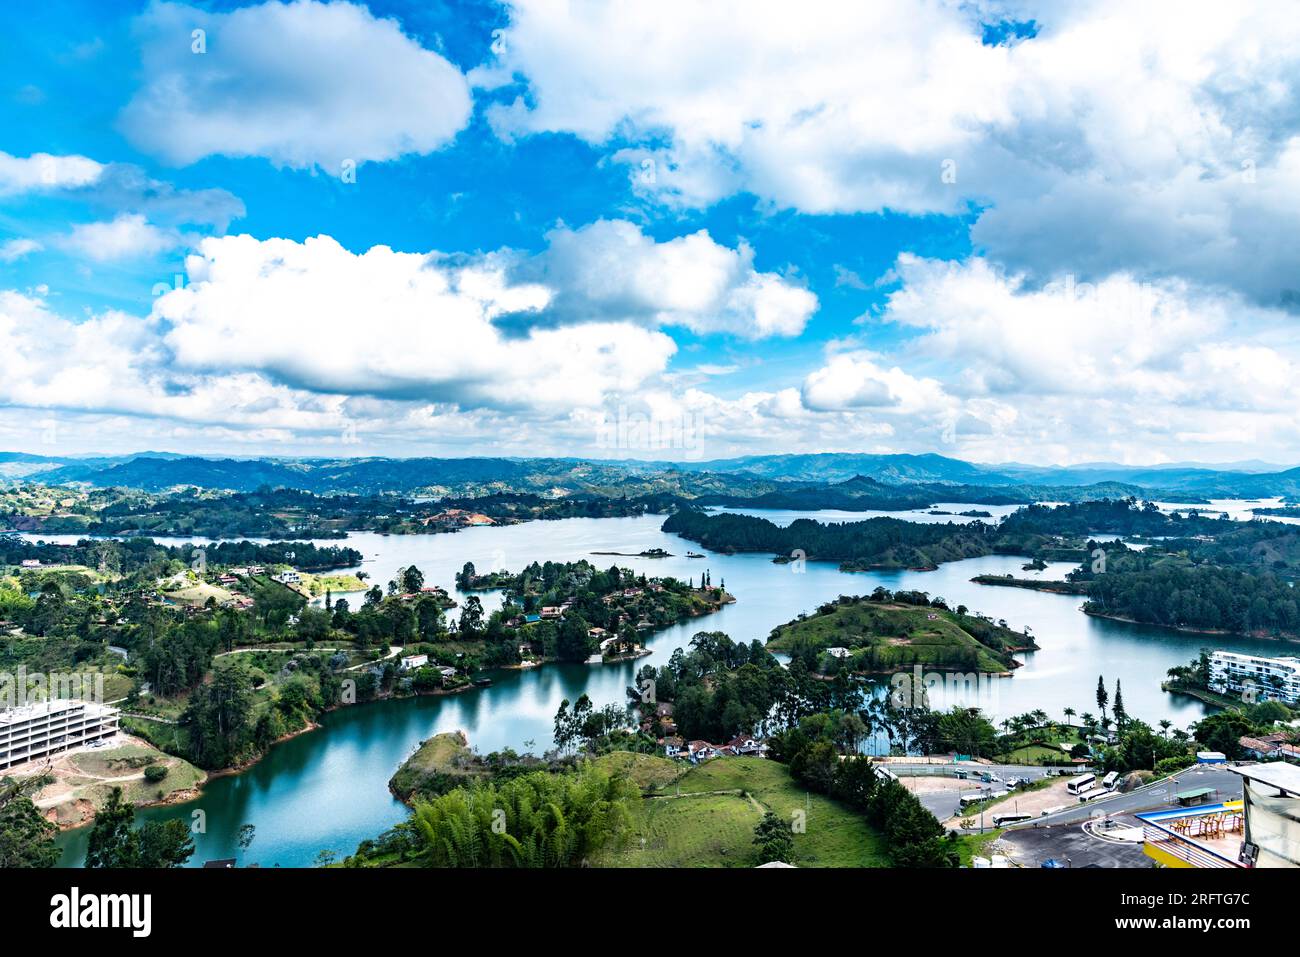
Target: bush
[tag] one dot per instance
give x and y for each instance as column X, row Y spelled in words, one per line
column 1167, row 766
column 155, row 772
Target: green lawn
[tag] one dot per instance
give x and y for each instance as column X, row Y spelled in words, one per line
column 1032, row 754
column 648, row 771
column 706, row 818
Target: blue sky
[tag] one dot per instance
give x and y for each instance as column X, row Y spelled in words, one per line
column 985, row 229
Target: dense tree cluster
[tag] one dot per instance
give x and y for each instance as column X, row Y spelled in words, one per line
column 1110, row 517
column 115, row 843
column 1204, row 597
column 876, row 542
column 538, row 819
column 821, row 756
column 719, row 688
column 143, row 555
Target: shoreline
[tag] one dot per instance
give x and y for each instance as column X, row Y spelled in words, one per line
column 316, row 725
column 1051, row 587
column 1187, row 629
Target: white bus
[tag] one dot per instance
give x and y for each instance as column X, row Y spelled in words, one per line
column 1085, row 782
column 1002, row 820
column 968, row 799
column 1110, row 780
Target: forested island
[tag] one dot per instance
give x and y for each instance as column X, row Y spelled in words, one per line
column 892, row 631
column 1194, row 573
column 857, row 546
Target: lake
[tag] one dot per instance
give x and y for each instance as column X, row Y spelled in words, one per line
column 328, row 789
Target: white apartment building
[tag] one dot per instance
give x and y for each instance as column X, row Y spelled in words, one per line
column 1271, row 679
column 36, row 730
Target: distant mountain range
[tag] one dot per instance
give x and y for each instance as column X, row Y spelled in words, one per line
column 805, row 477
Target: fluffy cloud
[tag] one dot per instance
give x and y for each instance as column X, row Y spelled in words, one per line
column 611, row 270
column 278, row 340
column 128, row 236
column 397, row 325
column 1067, row 371
column 303, row 84
column 855, row 380
column 42, row 171
column 1122, row 136
column 1150, row 341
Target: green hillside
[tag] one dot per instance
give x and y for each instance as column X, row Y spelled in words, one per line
column 706, row 818
column 887, row 636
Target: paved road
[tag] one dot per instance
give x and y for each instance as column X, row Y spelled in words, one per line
column 1063, row 836
column 1158, row 795
column 944, row 804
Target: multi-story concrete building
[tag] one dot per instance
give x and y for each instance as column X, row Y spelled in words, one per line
column 37, row 730
column 1269, row 679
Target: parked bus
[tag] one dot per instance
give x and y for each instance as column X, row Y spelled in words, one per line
column 968, row 799
column 1110, row 781
column 1079, row 785
column 1002, row 820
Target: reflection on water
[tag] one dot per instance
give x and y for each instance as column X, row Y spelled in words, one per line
column 328, row 789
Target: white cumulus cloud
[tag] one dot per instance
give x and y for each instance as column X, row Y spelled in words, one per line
column 127, row 236
column 398, row 325
column 43, row 171
column 302, row 84
column 612, row 270
column 1160, row 138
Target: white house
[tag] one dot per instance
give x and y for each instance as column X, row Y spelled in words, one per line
column 702, row 750
column 411, row 662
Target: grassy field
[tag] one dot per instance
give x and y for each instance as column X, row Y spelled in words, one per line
column 650, row 772
column 318, row 584
column 884, row 636
column 1042, row 746
column 184, row 589
column 706, row 817
column 1032, row 754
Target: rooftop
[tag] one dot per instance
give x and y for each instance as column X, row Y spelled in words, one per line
column 28, row 711
column 1284, row 777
